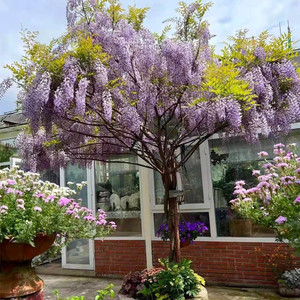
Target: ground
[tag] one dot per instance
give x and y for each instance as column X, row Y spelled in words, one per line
column 78, row 286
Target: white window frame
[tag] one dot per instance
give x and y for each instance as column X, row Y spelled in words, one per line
column 91, row 265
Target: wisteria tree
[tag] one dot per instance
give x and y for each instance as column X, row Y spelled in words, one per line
column 110, row 86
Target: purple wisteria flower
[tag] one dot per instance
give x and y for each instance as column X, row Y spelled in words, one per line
column 281, row 220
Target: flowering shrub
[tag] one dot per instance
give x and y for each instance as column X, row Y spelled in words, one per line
column 280, row 259
column 29, row 206
column 188, row 231
column 275, row 201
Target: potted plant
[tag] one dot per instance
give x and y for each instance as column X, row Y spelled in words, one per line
column 33, row 215
column 173, row 281
column 289, row 283
column 275, row 201
column 188, row 232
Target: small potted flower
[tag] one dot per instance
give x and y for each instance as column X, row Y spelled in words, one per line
column 34, row 215
column 188, row 232
column 289, row 283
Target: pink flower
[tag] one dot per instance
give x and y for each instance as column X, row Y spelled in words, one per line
column 20, row 201
column 255, row 172
column 64, row 201
column 11, row 181
column 37, row 208
column 20, row 206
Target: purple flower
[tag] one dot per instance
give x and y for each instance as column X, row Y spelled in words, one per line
column 37, row 208
column 281, row 220
column 282, row 165
column 262, row 154
column 40, row 195
column 277, row 146
column 240, row 183
column 255, row 172
column 297, row 200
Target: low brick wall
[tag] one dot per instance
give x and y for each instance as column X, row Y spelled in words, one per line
column 117, row 258
column 229, row 263
column 226, row 263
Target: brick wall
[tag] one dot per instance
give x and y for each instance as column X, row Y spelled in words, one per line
column 226, row 262
column 117, row 258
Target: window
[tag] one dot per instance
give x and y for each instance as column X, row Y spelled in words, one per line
column 233, row 160
column 117, row 190
column 194, row 207
column 191, row 177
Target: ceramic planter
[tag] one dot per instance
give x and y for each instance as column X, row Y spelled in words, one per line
column 17, row 277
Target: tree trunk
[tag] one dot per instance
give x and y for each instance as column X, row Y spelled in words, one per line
column 171, row 213
column 173, row 222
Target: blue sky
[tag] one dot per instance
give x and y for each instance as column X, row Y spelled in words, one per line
column 225, row 18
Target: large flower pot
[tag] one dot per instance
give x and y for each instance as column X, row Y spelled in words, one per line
column 17, row 277
column 287, row 291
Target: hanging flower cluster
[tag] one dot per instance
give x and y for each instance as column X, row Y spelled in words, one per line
column 188, row 231
column 275, row 201
column 29, row 207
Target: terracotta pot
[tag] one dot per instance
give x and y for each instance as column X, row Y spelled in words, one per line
column 288, row 292
column 17, row 277
column 240, row 227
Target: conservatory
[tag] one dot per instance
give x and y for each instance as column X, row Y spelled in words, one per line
column 132, row 196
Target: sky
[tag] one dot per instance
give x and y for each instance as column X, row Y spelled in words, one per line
column 225, row 17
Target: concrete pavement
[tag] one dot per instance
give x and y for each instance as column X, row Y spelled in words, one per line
column 88, row 286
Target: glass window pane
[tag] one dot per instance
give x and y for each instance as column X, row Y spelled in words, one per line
column 203, row 217
column 118, row 194
column 191, row 180
column 233, row 160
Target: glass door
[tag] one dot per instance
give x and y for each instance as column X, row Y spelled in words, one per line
column 79, row 254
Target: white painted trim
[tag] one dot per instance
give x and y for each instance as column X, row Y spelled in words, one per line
column 13, row 161
column 208, row 188
column 231, row 239
column 121, row 238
